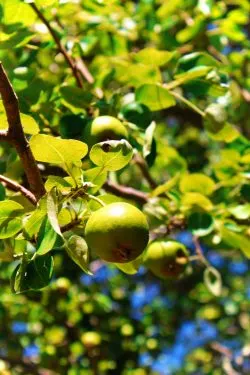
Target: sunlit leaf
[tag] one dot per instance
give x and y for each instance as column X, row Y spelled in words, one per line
column 111, row 155
column 155, row 97
column 50, row 149
column 10, row 218
column 77, row 249
column 197, row 182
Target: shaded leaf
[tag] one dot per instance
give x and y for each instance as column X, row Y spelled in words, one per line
column 200, row 223
column 46, row 237
column 212, row 280
column 77, row 250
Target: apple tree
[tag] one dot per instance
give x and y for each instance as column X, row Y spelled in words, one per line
column 124, row 145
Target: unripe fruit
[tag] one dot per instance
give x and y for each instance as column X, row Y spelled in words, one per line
column 104, row 128
column 166, row 259
column 117, row 232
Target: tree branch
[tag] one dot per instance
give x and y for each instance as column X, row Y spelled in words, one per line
column 12, row 185
column 70, row 225
column 175, row 223
column 126, row 192
column 61, row 48
column 16, row 137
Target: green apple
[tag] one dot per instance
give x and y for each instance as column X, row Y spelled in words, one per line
column 166, row 259
column 104, row 128
column 117, row 232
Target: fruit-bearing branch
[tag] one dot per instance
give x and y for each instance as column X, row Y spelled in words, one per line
column 126, row 192
column 12, row 185
column 15, row 135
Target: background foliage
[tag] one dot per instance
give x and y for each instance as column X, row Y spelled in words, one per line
column 177, row 73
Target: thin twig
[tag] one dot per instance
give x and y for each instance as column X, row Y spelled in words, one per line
column 15, row 135
column 81, row 66
column 199, row 251
column 61, row 48
column 140, row 162
column 12, row 185
column 216, row 346
column 188, row 103
column 126, row 192
column 70, row 225
column 175, row 223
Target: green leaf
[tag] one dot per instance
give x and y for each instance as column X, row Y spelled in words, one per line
column 52, row 210
column 18, row 275
column 59, row 182
column 164, row 188
column 104, row 302
column 111, row 155
column 77, row 250
column 215, row 118
column 212, row 280
column 15, row 40
column 29, row 124
column 196, row 59
column 34, row 222
column 168, row 8
column 152, row 56
column 200, row 223
column 193, row 200
column 76, row 96
column 227, row 134
column 2, row 192
column 190, row 32
column 33, row 275
column 136, row 74
column 46, row 237
column 197, row 182
column 16, row 11
column 236, row 240
column 97, row 176
column 149, row 136
column 194, row 73
column 155, row 97
column 10, row 218
column 130, row 268
column 54, row 150
column 6, row 251
column 245, row 159
column 241, row 212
